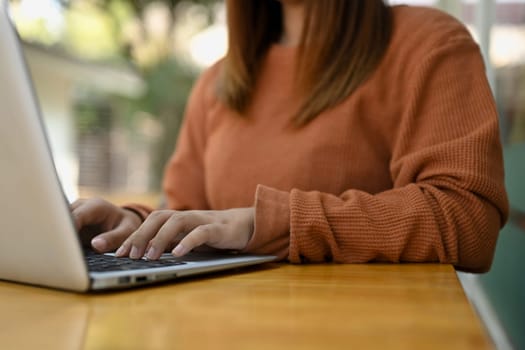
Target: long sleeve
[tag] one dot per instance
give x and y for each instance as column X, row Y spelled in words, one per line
column 447, row 203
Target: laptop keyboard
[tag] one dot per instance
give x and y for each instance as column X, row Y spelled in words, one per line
column 103, row 263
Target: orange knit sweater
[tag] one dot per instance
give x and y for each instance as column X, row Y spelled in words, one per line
column 406, row 169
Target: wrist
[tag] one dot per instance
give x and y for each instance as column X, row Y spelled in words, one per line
column 135, row 212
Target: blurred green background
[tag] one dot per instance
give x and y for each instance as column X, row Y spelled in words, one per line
column 124, row 130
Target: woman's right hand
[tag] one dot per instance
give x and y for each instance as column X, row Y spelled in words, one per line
column 103, row 225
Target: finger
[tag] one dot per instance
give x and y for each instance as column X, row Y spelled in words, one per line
column 175, row 229
column 135, row 246
column 111, row 240
column 77, row 203
column 89, row 212
column 203, row 234
column 78, row 214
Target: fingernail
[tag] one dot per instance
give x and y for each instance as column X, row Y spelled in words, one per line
column 179, row 250
column 99, row 244
column 120, row 252
column 134, row 253
column 151, row 253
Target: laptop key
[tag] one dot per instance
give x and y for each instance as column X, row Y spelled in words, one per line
column 102, row 263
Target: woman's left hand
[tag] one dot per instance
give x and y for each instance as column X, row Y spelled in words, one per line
column 183, row 231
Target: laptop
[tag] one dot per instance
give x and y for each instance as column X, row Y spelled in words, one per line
column 38, row 241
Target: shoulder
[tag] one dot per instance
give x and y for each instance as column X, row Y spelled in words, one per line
column 419, row 31
column 206, row 84
column 426, row 24
column 202, row 96
column 423, row 35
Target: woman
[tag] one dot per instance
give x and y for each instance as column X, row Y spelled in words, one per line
column 337, row 130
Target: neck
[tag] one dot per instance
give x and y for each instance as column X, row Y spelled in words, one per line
column 293, row 18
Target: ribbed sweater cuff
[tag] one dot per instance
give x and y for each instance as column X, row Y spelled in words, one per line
column 272, row 223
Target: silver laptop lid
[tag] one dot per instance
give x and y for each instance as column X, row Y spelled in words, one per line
column 38, row 242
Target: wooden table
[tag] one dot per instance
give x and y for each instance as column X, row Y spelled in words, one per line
column 275, row 306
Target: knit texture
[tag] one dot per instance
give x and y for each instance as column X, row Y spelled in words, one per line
column 406, row 169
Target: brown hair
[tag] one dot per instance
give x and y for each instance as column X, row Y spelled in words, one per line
column 342, row 43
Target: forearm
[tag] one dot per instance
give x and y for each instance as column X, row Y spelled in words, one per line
column 417, row 223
